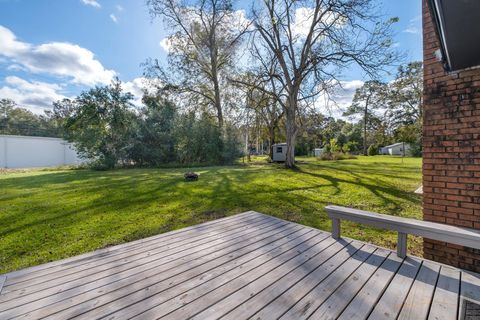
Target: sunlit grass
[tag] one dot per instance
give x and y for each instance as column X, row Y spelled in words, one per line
column 49, row 215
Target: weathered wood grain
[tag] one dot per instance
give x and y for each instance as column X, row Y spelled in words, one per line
column 245, row 266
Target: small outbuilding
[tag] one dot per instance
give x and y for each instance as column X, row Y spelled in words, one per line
column 396, row 149
column 279, row 152
column 317, row 152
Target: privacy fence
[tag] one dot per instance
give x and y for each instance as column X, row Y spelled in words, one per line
column 29, row 152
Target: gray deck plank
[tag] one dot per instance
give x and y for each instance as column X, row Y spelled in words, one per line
column 445, row 299
column 115, row 274
column 365, row 300
column 18, row 274
column 148, row 259
column 123, row 294
column 389, row 305
column 469, row 290
column 247, row 265
column 186, row 293
column 419, row 298
column 337, row 302
column 29, row 284
column 222, row 307
column 2, row 282
column 307, row 304
column 281, row 296
column 276, row 267
column 190, row 237
column 248, row 300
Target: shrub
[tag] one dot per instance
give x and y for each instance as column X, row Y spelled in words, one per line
column 334, row 156
column 372, row 150
column 349, row 146
column 334, row 146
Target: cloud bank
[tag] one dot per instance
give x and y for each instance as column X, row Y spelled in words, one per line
column 61, row 59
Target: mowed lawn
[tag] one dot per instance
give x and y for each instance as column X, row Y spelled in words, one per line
column 47, row 215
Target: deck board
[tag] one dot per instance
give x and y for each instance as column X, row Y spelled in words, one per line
column 445, row 299
column 149, row 261
column 244, row 266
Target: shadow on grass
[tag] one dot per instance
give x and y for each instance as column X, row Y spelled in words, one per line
column 59, row 213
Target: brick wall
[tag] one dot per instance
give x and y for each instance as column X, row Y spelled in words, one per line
column 451, row 146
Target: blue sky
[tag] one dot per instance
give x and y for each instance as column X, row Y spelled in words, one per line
column 51, row 49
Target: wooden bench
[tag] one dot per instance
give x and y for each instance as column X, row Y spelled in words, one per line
column 436, row 231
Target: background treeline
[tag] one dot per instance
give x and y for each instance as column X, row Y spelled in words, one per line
column 238, row 81
column 109, row 130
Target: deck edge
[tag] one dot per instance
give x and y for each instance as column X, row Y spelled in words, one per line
column 111, row 248
column 3, row 279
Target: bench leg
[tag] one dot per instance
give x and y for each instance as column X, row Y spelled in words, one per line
column 335, row 228
column 402, row 245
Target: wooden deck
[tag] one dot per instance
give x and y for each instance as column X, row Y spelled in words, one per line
column 246, row 266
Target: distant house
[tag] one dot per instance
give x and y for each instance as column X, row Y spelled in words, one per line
column 279, row 152
column 396, row 149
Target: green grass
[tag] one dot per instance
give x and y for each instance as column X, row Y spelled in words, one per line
column 47, row 215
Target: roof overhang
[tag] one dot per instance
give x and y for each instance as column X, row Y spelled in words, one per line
column 458, row 26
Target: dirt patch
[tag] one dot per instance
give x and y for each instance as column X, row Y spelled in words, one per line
column 214, row 214
column 293, row 216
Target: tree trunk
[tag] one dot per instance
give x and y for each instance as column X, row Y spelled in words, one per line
column 291, row 133
column 365, row 130
column 272, row 141
column 218, row 104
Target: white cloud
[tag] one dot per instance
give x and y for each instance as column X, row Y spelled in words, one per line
column 412, row 29
column 33, row 95
column 92, row 3
column 139, row 86
column 303, row 20
column 60, row 59
column 165, row 44
column 135, row 87
column 414, row 25
column 16, row 67
column 119, row 8
column 114, row 18
column 231, row 23
column 339, row 99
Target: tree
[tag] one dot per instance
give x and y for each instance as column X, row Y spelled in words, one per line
column 261, row 98
column 313, row 41
column 101, row 125
column 15, row 120
column 406, row 93
column 367, row 98
column 202, row 49
column 154, row 141
column 60, row 113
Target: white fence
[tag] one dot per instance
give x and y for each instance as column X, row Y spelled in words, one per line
column 30, row 152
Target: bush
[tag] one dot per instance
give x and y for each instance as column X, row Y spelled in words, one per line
column 199, row 140
column 334, row 146
column 372, row 150
column 349, row 146
column 334, row 156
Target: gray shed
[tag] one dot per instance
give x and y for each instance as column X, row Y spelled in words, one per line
column 396, row 149
column 279, row 152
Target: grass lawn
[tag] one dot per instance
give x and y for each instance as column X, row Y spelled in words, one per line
column 47, row 215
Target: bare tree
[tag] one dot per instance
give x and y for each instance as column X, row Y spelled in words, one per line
column 268, row 110
column 313, row 41
column 202, row 48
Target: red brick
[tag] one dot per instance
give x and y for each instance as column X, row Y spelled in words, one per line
column 451, row 145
